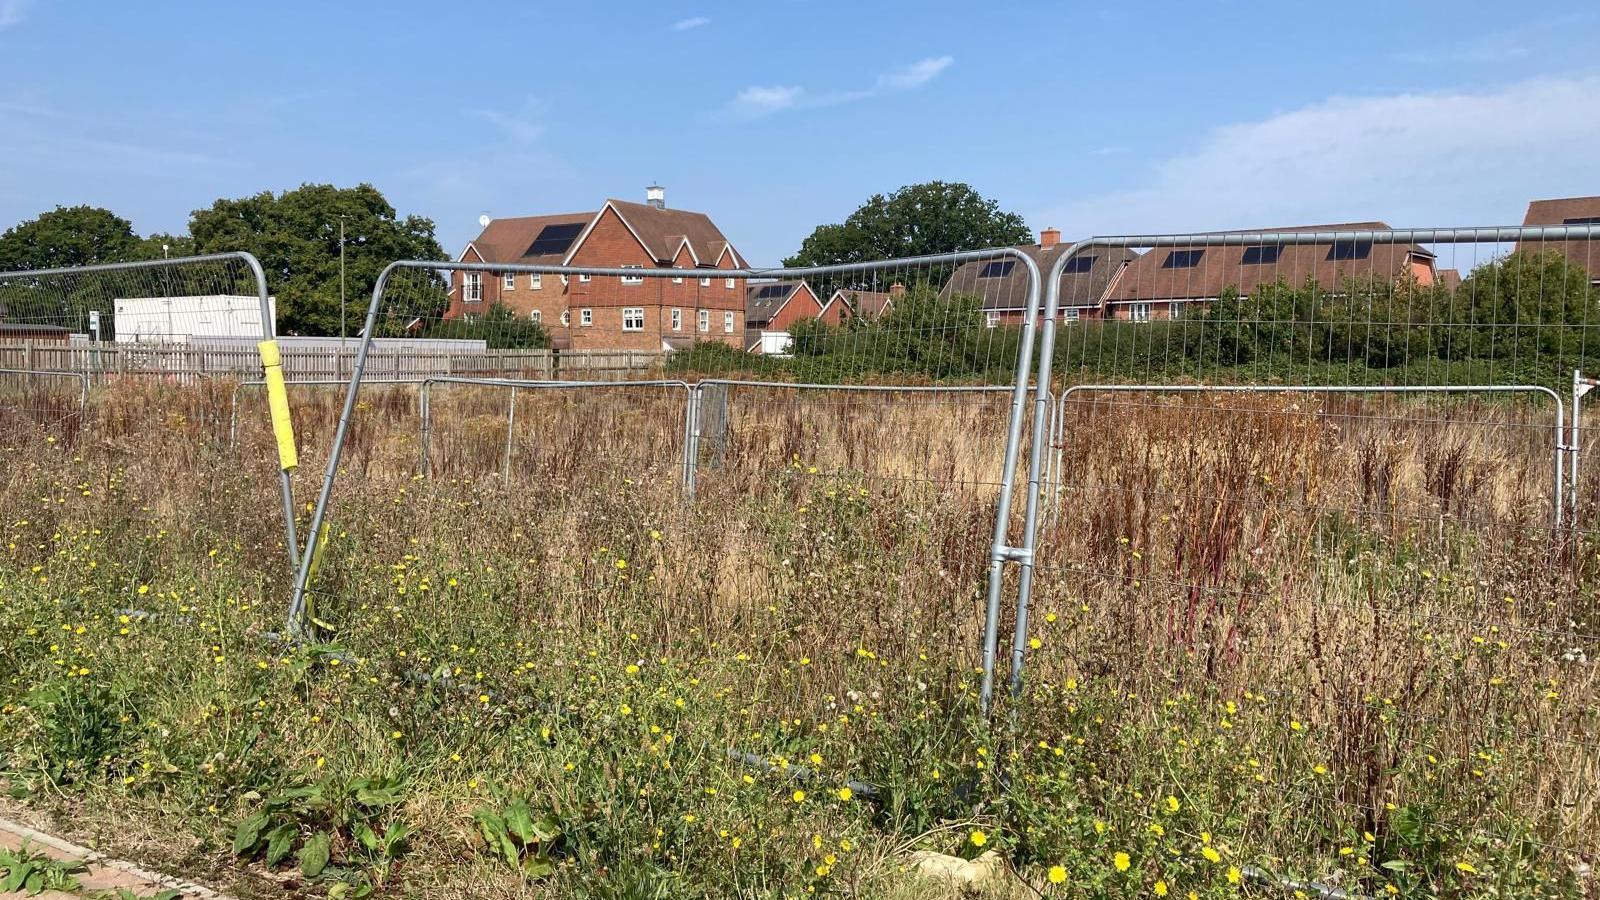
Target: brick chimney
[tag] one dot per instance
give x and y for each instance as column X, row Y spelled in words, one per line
column 1049, row 237
column 656, row 195
column 896, row 289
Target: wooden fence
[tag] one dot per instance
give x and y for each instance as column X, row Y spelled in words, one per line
column 182, row 362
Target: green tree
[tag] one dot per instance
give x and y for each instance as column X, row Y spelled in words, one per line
column 295, row 234
column 500, row 327
column 920, row 219
column 69, row 236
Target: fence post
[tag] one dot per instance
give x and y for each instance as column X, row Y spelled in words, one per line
column 511, row 429
column 27, row 355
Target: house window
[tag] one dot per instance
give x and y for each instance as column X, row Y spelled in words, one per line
column 508, row 281
column 1261, row 255
column 566, row 317
column 728, row 283
column 1139, row 312
column 705, row 282
column 991, row 319
column 1079, row 264
column 1183, row 259
column 583, row 279
column 633, row 279
column 633, row 318
column 536, row 282
column 1000, row 268
column 704, row 320
column 677, row 319
column 537, row 316
column 472, row 288
column 1174, row 310
column 1582, row 220
column 586, row 317
column 727, row 323
column 1350, row 250
column 1071, row 313
column 678, row 280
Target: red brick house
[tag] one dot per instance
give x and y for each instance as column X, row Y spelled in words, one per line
column 771, row 308
column 847, row 304
column 1566, row 211
column 1003, row 283
column 610, row 312
column 1167, row 281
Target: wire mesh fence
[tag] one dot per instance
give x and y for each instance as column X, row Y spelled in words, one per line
column 896, row 326
column 560, row 431
column 52, row 404
column 1315, row 548
column 1303, row 559
column 58, row 325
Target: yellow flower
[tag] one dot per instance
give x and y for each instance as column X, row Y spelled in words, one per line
column 1234, row 875
column 799, row 796
column 1035, row 643
column 1058, row 874
column 625, row 710
column 845, row 794
column 1121, row 861
column 1211, row 855
column 1173, row 805
column 1466, row 868
column 1160, row 888
column 978, row 838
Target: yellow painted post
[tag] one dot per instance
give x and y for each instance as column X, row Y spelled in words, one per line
column 278, row 403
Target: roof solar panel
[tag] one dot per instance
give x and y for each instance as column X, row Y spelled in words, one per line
column 1000, row 268
column 555, row 239
column 773, row 291
column 1261, row 254
column 1183, row 259
column 1582, row 220
column 1079, row 264
column 1350, row 250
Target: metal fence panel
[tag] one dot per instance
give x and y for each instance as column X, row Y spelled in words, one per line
column 144, row 315
column 1324, row 478
column 896, row 321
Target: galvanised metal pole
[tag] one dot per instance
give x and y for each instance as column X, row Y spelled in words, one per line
column 1000, row 550
column 691, row 438
column 1581, row 386
column 297, row 604
column 1506, row 234
column 511, row 429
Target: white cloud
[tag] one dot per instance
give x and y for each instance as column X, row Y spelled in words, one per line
column 758, row 101
column 690, row 23
column 519, row 128
column 12, row 12
column 915, row 75
column 1409, row 159
column 1480, row 55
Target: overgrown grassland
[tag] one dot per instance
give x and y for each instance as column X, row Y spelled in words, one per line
column 1271, row 636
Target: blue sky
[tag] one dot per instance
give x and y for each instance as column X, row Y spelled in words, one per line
column 777, row 115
